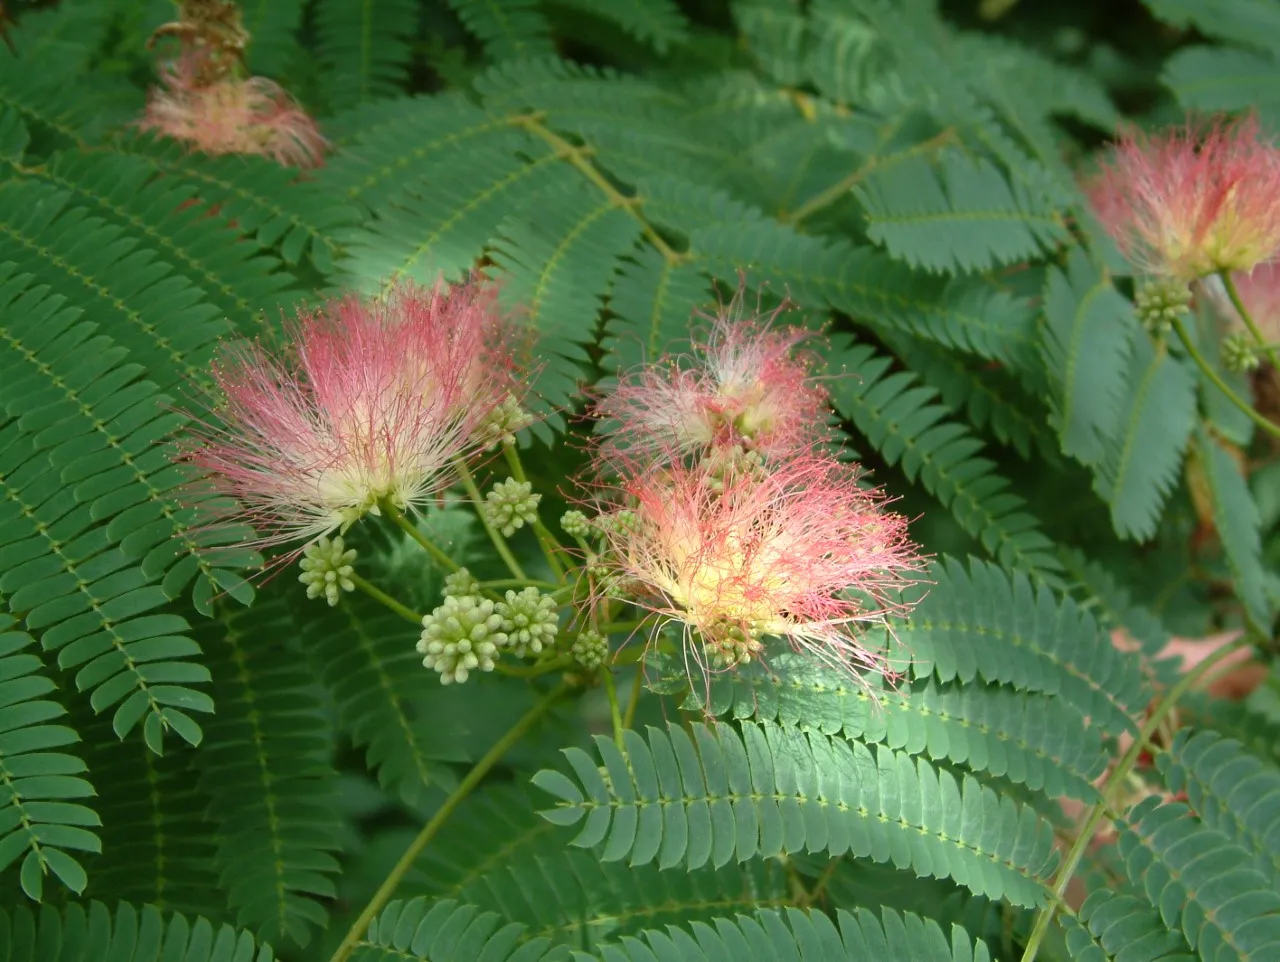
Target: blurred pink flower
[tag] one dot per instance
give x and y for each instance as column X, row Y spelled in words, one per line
column 1191, row 201
column 232, row 116
column 744, row 388
column 1259, row 289
column 799, row 552
column 371, row 402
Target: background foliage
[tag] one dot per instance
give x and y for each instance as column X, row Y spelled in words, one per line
column 190, row 771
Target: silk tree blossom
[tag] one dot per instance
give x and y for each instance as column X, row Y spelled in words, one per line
column 370, row 403
column 745, row 388
column 799, row 552
column 1193, row 201
column 232, row 116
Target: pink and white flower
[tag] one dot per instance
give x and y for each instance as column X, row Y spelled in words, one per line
column 745, row 387
column 798, row 552
column 232, row 116
column 1192, row 201
column 371, row 403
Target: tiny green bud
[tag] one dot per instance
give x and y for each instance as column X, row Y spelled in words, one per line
column 327, row 569
column 461, row 583
column 590, row 649
column 461, row 635
column 1160, row 300
column 575, row 524
column 529, row 620
column 1239, row 352
column 510, row 505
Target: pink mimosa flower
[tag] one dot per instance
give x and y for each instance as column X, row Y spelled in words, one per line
column 232, row 116
column 745, row 387
column 370, row 404
column 799, row 552
column 1189, row 202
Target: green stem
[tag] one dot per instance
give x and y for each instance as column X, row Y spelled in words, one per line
column 1220, row 384
column 617, row 627
column 499, row 542
column 546, row 540
column 432, row 828
column 615, row 711
column 1114, row 782
column 1238, row 304
column 637, row 686
column 409, row 528
column 377, row 594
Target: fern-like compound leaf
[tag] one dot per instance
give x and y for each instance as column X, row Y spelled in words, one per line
column 1030, row 739
column 365, row 47
column 1087, row 333
column 508, row 29
column 986, row 623
column 453, row 931
column 42, row 817
column 898, row 416
column 720, row 795
column 1230, row 790
column 1121, row 927
column 268, row 775
column 1140, row 464
column 86, row 443
column 1204, row 886
column 960, row 215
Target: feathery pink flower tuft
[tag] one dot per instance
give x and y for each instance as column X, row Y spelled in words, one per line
column 1189, row 202
column 372, row 401
column 799, row 553
column 232, row 116
column 745, row 387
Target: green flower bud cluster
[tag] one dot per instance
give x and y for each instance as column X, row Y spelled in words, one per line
column 575, row 524
column 461, row 636
column 504, row 422
column 529, row 621
column 1240, row 352
column 461, row 583
column 732, row 645
column 511, row 505
column 1160, row 301
column 590, row 649
column 327, row 567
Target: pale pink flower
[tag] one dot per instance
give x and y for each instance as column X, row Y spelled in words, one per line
column 371, row 402
column 1259, row 289
column 745, row 387
column 799, row 552
column 1192, row 201
column 232, row 116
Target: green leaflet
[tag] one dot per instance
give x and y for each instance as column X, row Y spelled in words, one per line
column 1089, row 327
column 133, row 935
column 40, row 815
column 1223, row 78
column 451, row 931
column 720, row 795
column 1236, row 518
